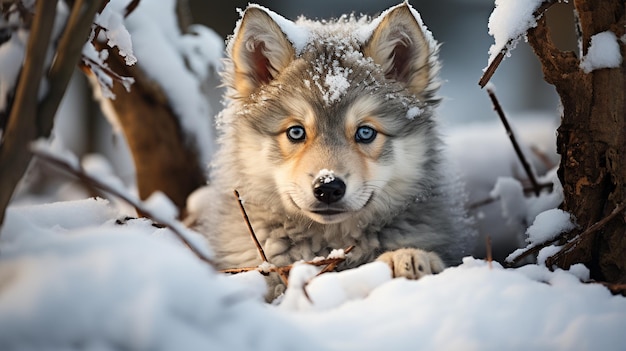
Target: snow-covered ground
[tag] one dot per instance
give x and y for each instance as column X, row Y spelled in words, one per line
column 71, row 278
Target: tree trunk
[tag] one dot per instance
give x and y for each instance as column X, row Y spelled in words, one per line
column 591, row 141
column 164, row 160
column 30, row 118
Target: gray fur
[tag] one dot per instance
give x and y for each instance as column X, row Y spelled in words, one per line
column 413, row 211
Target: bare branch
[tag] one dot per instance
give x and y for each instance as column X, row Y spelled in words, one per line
column 571, row 244
column 21, row 126
column 287, row 268
column 76, row 170
column 331, row 266
column 592, row 229
column 516, row 146
column 493, row 66
column 68, row 55
column 130, row 8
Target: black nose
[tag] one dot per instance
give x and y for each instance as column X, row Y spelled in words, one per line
column 329, row 191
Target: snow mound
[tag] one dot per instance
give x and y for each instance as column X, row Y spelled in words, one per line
column 603, row 52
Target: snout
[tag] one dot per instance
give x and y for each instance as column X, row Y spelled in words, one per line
column 329, row 190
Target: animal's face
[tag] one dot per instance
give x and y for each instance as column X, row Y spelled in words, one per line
column 341, row 126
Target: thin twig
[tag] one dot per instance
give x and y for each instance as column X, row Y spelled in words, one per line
column 331, row 266
column 493, row 66
column 568, row 246
column 516, row 146
column 77, row 171
column 119, row 78
column 593, row 228
column 489, row 200
column 287, row 268
column 131, row 7
column 542, row 156
column 532, row 251
column 247, row 220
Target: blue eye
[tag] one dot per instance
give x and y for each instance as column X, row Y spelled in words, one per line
column 296, row 133
column 365, row 134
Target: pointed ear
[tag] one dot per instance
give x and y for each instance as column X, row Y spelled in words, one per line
column 260, row 51
column 399, row 45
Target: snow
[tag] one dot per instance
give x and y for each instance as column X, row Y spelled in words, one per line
column 548, row 225
column 511, row 195
column 325, row 176
column 298, row 36
column 337, row 84
column 603, row 52
column 163, row 51
column 337, row 253
column 365, row 32
column 508, row 22
column 161, row 206
column 111, row 19
column 413, row 112
column 64, row 263
column 71, row 276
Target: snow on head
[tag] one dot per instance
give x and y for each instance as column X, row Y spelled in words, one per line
column 509, row 21
column 337, row 83
column 297, row 35
column 413, row 112
column 364, row 33
column 603, row 52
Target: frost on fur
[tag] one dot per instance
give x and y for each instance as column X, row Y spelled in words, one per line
column 265, row 43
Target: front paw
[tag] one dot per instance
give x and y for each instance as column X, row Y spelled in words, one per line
column 412, row 263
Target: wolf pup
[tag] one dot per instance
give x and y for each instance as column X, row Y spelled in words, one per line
column 329, row 137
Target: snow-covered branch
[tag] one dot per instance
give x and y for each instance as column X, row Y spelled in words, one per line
column 510, row 21
column 157, row 207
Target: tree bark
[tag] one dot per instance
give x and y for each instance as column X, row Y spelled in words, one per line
column 591, row 141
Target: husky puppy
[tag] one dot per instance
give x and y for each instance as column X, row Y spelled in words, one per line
column 328, row 135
